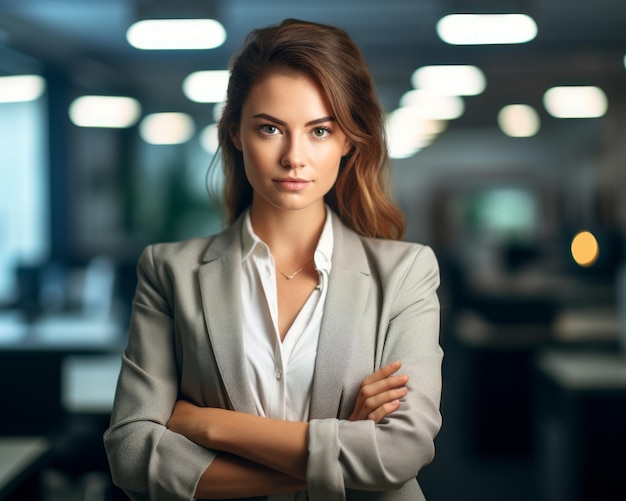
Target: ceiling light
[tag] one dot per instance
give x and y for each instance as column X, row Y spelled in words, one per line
column 407, row 133
column 209, row 139
column 176, row 34
column 399, row 150
column 484, row 29
column 19, row 88
column 206, row 86
column 166, row 128
column 575, row 102
column 430, row 105
column 519, row 120
column 454, row 80
column 104, row 111
column 218, row 109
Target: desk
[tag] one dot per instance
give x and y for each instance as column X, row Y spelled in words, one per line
column 499, row 358
column 63, row 364
column 60, row 332
column 580, row 425
column 20, row 462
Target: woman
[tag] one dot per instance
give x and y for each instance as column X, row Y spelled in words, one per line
column 264, row 361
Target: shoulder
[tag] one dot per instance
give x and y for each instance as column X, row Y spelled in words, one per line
column 400, row 259
column 190, row 250
column 190, row 253
column 395, row 265
column 354, row 247
column 395, row 249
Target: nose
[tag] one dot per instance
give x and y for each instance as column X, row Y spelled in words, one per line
column 294, row 154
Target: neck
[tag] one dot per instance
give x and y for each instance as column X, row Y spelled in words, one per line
column 291, row 235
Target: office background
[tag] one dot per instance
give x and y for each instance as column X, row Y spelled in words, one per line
column 519, row 189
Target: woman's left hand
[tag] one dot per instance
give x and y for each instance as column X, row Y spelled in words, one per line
column 380, row 394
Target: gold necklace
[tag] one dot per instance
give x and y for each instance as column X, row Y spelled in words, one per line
column 289, row 277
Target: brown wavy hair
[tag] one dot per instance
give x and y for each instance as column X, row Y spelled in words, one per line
column 361, row 196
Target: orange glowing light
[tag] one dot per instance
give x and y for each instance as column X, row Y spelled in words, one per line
column 585, row 249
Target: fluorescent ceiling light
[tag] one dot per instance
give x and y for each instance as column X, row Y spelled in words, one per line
column 19, row 88
column 575, row 102
column 206, row 86
column 428, row 105
column 407, row 133
column 209, row 140
column 104, row 111
column 218, row 109
column 519, row 120
column 176, row 34
column 484, row 29
column 167, row 128
column 454, row 80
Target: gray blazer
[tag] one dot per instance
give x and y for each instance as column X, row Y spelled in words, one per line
column 185, row 341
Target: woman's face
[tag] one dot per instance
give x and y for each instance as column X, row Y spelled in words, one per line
column 291, row 144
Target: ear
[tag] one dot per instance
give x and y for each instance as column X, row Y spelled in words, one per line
column 234, row 136
column 347, row 148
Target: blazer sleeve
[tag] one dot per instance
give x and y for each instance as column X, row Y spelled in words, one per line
column 363, row 455
column 147, row 460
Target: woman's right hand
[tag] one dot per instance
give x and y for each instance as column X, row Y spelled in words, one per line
column 380, row 394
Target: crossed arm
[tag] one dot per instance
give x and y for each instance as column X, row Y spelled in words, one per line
column 159, row 453
column 263, row 456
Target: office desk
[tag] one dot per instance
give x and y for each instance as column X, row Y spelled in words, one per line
column 21, row 460
column 55, row 366
column 60, row 332
column 580, row 425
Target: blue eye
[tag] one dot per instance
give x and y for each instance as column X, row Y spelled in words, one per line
column 268, row 129
column 321, row 132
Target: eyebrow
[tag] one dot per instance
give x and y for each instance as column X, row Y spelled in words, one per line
column 280, row 122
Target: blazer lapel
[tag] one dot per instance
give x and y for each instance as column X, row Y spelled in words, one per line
column 221, row 302
column 345, row 303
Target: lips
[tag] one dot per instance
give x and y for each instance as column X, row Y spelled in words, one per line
column 292, row 183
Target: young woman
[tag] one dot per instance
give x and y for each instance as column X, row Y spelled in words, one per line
column 265, row 361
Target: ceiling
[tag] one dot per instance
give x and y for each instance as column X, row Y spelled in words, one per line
column 579, row 42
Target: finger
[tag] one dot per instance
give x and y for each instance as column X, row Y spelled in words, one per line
column 366, row 406
column 375, row 394
column 377, row 383
column 382, row 373
column 386, row 384
column 383, row 411
column 380, row 400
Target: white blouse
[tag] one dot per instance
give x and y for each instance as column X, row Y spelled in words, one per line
column 280, row 373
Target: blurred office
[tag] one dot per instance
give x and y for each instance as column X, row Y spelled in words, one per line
column 509, row 159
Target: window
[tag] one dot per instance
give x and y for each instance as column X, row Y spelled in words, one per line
column 24, row 225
